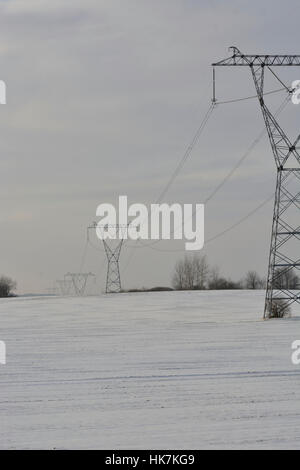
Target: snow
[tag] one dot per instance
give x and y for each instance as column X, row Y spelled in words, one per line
column 148, row 370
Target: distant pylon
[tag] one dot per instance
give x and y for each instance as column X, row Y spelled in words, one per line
column 112, row 247
column 79, row 281
column 64, row 286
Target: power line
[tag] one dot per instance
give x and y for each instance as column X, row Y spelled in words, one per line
column 246, row 154
column 187, row 153
column 221, row 184
column 185, row 157
column 181, row 163
column 223, row 232
column 243, row 219
column 252, row 96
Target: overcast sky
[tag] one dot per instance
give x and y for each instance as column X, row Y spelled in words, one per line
column 103, row 97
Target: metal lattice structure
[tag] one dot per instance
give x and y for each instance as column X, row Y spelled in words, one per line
column 79, row 281
column 64, row 286
column 112, row 247
column 285, row 237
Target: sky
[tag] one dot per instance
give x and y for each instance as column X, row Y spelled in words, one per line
column 103, row 98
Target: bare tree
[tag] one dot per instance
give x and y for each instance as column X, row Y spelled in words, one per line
column 218, row 282
column 7, row 286
column 286, row 279
column 253, row 281
column 195, row 273
column 178, row 280
column 191, row 273
column 188, row 273
column 201, row 272
column 214, row 276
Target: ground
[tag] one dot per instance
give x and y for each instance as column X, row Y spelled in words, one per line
column 148, row 370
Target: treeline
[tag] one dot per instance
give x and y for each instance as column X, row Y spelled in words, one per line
column 194, row 273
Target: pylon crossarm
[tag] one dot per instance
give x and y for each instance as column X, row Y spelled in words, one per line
column 239, row 59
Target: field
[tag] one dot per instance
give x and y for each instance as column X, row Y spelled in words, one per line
column 149, row 370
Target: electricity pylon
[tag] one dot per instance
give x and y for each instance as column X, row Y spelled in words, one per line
column 112, row 247
column 65, row 286
column 79, row 281
column 285, row 237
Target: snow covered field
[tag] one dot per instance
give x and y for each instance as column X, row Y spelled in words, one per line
column 149, row 370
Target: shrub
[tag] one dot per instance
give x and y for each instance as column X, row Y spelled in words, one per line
column 279, row 309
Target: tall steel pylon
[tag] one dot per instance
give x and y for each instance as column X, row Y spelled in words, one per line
column 112, row 247
column 285, row 235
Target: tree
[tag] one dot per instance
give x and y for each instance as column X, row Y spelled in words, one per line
column 214, row 276
column 201, row 272
column 7, row 286
column 286, row 279
column 178, row 280
column 253, row 281
column 217, row 282
column 188, row 273
column 191, row 273
column 222, row 284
